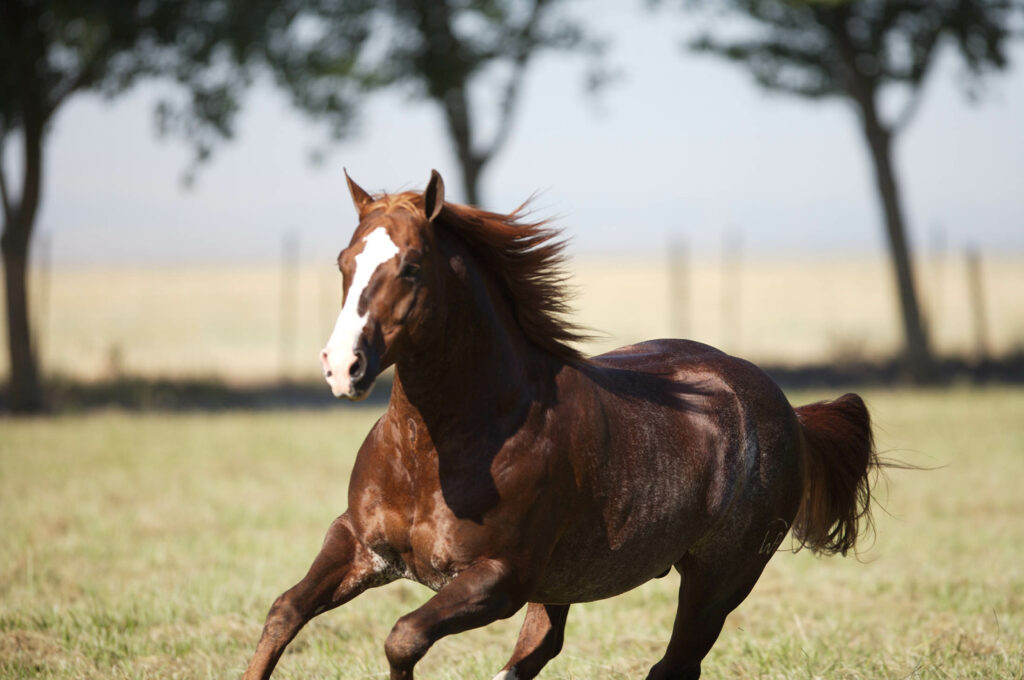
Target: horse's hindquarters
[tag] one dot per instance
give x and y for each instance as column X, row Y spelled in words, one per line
column 670, row 467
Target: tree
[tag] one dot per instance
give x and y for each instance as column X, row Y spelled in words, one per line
column 52, row 50
column 445, row 51
column 326, row 53
column 856, row 51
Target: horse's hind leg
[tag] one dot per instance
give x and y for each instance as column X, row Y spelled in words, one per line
column 341, row 570
column 540, row 640
column 707, row 594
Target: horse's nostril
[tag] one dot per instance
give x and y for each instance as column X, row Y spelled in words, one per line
column 325, row 365
column 358, row 369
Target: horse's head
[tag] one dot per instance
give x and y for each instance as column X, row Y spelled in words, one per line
column 386, row 276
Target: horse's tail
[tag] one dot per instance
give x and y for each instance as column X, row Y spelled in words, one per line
column 840, row 466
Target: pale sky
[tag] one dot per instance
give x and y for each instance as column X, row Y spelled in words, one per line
column 681, row 147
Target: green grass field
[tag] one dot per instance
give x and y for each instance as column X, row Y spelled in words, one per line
column 151, row 547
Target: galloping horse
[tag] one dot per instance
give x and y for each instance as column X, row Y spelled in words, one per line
column 510, row 470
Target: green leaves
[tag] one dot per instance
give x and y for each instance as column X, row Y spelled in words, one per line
column 817, row 49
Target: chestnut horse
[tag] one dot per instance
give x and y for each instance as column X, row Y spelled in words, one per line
column 509, row 470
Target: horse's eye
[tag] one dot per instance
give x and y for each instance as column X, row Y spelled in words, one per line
column 410, row 271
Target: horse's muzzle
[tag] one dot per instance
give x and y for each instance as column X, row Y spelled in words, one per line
column 354, row 375
column 357, row 370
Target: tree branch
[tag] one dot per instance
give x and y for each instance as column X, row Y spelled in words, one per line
column 777, row 63
column 85, row 77
column 511, row 96
column 857, row 86
column 508, row 105
column 910, row 109
column 68, row 88
column 924, row 67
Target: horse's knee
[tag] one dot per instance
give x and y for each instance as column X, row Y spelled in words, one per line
column 284, row 617
column 406, row 644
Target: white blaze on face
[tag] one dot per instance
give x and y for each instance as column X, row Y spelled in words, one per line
column 339, row 353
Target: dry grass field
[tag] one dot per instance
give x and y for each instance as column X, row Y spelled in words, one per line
column 150, row 546
column 250, row 324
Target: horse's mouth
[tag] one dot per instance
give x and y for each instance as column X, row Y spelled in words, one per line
column 357, row 391
column 359, row 395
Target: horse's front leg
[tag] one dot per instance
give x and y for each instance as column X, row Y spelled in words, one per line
column 484, row 593
column 342, row 570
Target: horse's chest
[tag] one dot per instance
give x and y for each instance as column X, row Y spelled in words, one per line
column 427, row 557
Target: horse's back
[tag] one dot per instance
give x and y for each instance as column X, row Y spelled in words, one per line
column 651, row 353
column 669, row 356
column 686, row 367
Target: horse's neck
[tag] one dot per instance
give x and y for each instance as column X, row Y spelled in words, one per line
column 479, row 366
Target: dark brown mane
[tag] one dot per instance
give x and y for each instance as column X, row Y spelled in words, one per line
column 527, row 260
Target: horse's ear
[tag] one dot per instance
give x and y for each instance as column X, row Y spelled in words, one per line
column 433, row 196
column 360, row 198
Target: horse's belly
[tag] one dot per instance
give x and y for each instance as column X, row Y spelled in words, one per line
column 584, row 567
column 572, row 586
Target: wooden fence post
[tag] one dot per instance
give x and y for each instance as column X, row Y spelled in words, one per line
column 731, row 291
column 678, row 288
column 976, row 298
column 289, row 311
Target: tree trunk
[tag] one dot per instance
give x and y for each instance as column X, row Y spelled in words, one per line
column 25, row 393
column 446, row 66
column 862, row 89
column 918, row 354
column 471, row 171
column 460, row 129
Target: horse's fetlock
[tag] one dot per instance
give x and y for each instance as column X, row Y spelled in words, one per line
column 664, row 671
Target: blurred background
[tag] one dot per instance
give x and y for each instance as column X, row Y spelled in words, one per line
column 810, row 184
column 830, row 189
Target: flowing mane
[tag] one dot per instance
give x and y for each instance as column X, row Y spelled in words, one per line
column 527, row 261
